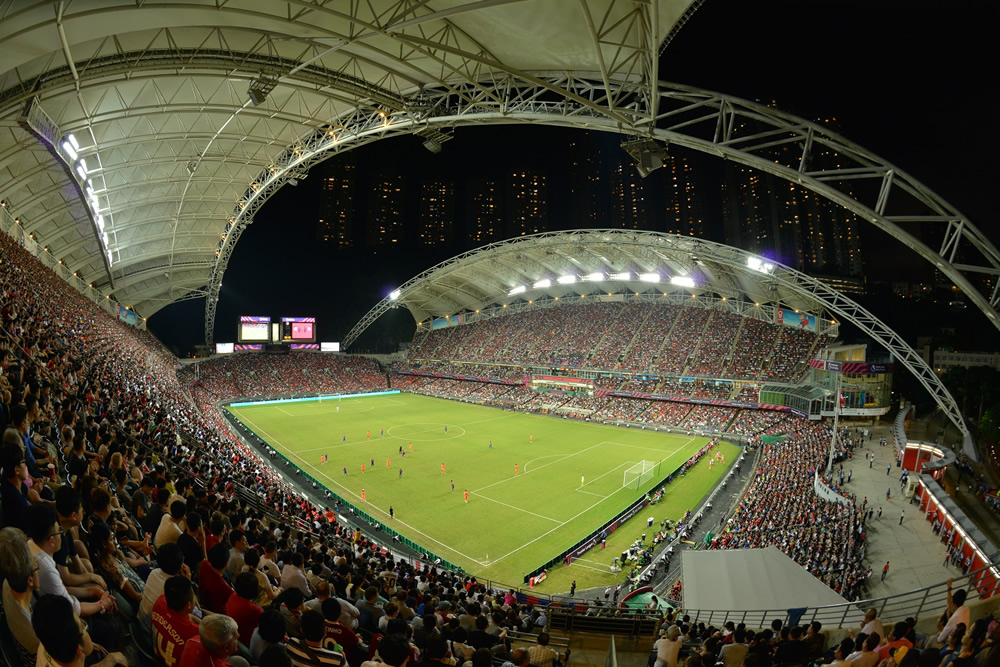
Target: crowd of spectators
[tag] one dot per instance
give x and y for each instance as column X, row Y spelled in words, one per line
column 642, row 337
column 128, row 506
column 781, row 508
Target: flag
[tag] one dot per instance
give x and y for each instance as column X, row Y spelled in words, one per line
column 708, row 538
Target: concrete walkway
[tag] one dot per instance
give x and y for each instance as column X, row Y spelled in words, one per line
column 915, row 554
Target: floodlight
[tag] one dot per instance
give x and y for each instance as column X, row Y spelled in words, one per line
column 517, row 290
column 649, row 155
column 541, row 284
column 100, row 222
column 80, row 169
column 394, row 294
column 432, row 146
column 682, row 281
column 69, row 150
column 259, row 89
column 623, row 275
column 758, row 264
column 594, row 277
column 649, row 277
column 83, row 163
column 71, row 138
column 566, row 280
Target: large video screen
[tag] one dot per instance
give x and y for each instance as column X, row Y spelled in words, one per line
column 254, row 329
column 298, row 329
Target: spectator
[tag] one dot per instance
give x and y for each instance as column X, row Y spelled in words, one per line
column 171, row 619
column 216, row 644
column 20, row 581
column 293, row 577
column 64, row 641
column 668, row 647
column 241, row 606
column 213, row 591
column 959, row 613
column 308, row 651
column 270, row 631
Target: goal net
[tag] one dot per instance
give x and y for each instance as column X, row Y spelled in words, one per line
column 639, row 473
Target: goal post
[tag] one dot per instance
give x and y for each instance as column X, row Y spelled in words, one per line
column 638, row 474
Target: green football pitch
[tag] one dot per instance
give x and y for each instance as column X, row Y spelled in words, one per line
column 536, row 484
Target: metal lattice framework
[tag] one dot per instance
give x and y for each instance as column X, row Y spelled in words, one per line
column 157, row 94
column 470, row 281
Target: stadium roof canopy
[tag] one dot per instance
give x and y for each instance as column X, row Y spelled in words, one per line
column 188, row 115
column 182, row 108
column 603, row 263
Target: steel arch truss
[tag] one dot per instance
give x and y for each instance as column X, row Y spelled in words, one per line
column 731, row 269
column 760, row 137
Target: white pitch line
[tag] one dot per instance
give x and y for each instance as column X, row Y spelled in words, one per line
column 503, row 481
column 519, row 509
column 286, row 411
column 546, row 534
column 590, row 493
column 352, row 493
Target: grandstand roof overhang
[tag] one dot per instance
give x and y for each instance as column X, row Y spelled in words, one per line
column 604, row 262
column 157, row 95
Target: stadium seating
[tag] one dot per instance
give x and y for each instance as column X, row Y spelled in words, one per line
column 161, row 417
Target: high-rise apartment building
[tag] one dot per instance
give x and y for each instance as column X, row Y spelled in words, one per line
column 437, row 212
column 682, row 197
column 527, row 202
column 484, row 221
column 338, row 205
column 627, row 194
column 385, row 210
column 586, row 181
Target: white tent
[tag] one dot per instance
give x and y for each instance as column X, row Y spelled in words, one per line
column 755, row 586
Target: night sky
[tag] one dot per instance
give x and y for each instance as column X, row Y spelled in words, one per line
column 914, row 82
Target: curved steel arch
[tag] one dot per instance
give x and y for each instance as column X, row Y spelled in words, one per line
column 757, row 136
column 733, row 259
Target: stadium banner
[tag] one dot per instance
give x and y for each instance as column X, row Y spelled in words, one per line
column 450, row 321
column 242, row 347
column 699, row 401
column 467, row 378
column 611, row 297
column 126, row 315
column 224, row 348
column 304, row 346
column 798, row 320
column 312, row 398
column 849, row 367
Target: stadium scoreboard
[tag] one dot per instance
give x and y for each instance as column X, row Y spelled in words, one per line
column 298, row 329
column 254, row 329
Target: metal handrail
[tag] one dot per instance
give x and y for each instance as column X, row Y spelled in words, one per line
column 920, row 602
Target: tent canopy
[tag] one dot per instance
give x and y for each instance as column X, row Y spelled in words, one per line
column 765, row 582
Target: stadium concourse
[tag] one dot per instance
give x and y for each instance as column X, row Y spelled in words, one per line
column 131, row 446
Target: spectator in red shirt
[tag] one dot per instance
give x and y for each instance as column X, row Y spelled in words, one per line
column 338, row 633
column 213, row 591
column 172, row 625
column 218, row 639
column 242, row 607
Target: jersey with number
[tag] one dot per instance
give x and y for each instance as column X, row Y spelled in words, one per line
column 171, row 630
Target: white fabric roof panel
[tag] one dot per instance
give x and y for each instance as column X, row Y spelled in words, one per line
column 738, row 580
column 156, row 94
